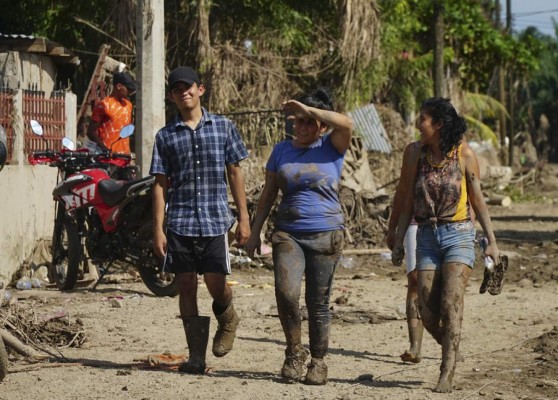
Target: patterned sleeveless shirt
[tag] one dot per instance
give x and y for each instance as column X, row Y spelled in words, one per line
column 441, row 190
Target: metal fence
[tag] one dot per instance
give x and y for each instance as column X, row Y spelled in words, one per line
column 260, row 127
column 50, row 113
column 6, row 119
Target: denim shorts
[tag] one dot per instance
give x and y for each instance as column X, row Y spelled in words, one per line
column 441, row 244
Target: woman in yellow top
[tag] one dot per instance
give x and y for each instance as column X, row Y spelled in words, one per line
column 439, row 180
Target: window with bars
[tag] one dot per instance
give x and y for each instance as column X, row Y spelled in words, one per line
column 50, row 113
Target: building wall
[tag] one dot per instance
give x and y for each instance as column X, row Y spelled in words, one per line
column 27, row 208
column 27, row 213
column 27, row 71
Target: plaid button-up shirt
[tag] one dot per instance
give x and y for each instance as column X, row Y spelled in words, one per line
column 194, row 160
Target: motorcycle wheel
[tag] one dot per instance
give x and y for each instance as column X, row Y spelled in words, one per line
column 67, row 252
column 3, row 360
column 160, row 282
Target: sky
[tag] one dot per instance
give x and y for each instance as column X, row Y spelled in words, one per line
column 544, row 9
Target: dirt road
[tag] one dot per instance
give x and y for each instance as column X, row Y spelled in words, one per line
column 368, row 333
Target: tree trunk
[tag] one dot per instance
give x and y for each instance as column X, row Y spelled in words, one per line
column 501, row 95
column 439, row 90
column 499, row 200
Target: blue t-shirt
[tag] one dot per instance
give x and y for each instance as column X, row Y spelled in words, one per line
column 309, row 182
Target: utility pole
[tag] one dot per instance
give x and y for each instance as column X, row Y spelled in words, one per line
column 150, row 59
column 511, row 91
column 438, row 67
column 501, row 91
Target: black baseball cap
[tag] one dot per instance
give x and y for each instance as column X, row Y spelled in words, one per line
column 183, row 74
column 125, row 79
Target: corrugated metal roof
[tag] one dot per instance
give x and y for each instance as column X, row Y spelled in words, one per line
column 369, row 127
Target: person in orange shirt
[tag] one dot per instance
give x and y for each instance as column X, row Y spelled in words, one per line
column 111, row 114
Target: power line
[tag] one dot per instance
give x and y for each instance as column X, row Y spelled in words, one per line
column 528, row 14
column 525, row 14
column 535, row 21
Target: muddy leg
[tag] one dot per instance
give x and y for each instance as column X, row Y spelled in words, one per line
column 429, row 296
column 454, row 279
column 318, row 290
column 322, row 254
column 414, row 323
column 288, row 260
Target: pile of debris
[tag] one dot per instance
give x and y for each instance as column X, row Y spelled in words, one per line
column 32, row 335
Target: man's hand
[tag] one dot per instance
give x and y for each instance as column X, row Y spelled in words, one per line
column 160, row 244
column 242, row 232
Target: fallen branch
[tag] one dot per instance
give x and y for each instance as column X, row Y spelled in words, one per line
column 478, row 390
column 503, row 348
column 74, row 339
column 15, row 344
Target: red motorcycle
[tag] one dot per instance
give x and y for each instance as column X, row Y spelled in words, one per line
column 101, row 219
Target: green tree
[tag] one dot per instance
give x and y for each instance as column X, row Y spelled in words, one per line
column 543, row 88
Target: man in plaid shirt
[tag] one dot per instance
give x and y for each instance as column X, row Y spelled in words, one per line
column 190, row 157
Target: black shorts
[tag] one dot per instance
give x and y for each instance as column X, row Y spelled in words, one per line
column 198, row 254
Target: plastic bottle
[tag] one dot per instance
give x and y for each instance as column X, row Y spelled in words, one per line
column 36, row 282
column 347, row 262
column 7, row 297
column 24, row 284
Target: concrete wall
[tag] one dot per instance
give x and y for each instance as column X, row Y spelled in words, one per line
column 26, row 214
column 27, row 71
column 27, row 208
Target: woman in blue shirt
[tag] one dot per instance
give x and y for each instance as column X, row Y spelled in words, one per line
column 308, row 237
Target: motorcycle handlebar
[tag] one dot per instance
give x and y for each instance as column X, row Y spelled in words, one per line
column 122, row 156
column 117, row 159
column 43, row 154
column 109, row 155
column 79, row 158
column 43, row 157
column 76, row 154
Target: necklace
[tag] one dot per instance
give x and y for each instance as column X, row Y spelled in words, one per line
column 430, row 159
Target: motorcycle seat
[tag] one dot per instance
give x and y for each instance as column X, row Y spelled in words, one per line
column 113, row 192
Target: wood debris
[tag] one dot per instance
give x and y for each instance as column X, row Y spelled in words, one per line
column 27, row 329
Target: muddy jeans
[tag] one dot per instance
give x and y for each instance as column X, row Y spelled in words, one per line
column 314, row 255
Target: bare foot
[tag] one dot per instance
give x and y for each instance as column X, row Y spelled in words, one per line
column 444, row 383
column 444, row 386
column 409, row 356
